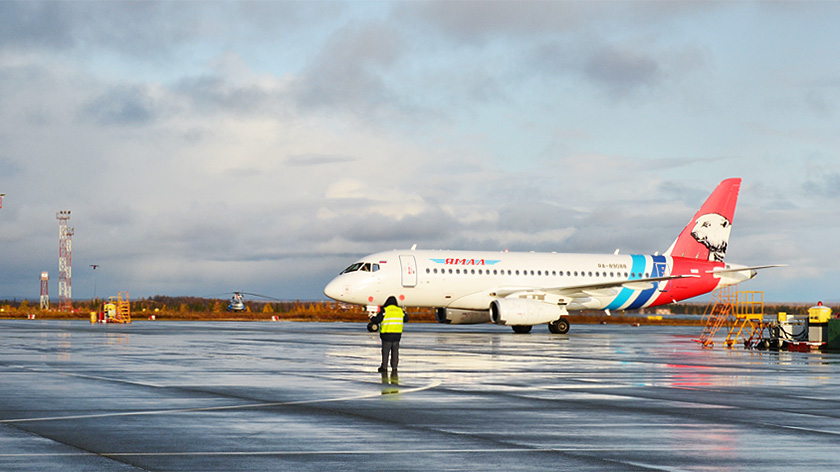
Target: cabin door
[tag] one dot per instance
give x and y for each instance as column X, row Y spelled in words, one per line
column 409, row 271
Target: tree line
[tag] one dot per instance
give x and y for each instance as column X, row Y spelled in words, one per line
column 193, row 307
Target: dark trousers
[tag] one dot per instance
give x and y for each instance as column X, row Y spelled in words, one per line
column 392, row 349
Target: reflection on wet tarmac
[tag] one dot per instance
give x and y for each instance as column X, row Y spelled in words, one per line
column 306, row 396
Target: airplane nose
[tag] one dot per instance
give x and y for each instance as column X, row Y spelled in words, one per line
column 333, row 290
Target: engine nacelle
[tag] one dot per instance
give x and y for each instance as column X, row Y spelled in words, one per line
column 455, row 316
column 519, row 311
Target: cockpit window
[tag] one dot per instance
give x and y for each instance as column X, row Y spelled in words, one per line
column 361, row 266
column 352, row 268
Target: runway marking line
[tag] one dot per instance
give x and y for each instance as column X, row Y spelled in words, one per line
column 302, row 453
column 577, row 449
column 281, row 453
column 377, row 394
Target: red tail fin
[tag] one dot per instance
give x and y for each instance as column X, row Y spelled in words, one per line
column 707, row 234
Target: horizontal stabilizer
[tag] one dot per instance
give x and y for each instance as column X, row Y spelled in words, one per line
column 719, row 270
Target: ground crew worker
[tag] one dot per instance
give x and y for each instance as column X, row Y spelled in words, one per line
column 390, row 318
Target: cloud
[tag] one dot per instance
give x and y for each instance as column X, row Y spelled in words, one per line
column 9, row 168
column 204, row 145
column 824, row 185
column 622, row 70
column 350, row 73
column 121, row 105
column 319, row 160
column 26, row 25
column 480, row 22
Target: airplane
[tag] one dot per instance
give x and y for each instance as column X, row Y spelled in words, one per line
column 522, row 289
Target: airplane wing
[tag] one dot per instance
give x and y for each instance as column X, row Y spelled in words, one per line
column 601, row 289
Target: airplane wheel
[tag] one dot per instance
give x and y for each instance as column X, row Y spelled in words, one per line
column 522, row 329
column 373, row 327
column 560, row 326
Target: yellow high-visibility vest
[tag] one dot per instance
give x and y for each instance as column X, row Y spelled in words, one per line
column 392, row 320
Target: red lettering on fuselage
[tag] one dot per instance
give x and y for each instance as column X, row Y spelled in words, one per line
column 465, row 261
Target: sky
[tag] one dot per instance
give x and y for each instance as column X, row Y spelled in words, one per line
column 210, row 147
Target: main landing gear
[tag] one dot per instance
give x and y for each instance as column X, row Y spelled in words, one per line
column 560, row 326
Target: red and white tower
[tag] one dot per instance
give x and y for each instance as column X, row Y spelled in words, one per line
column 65, row 236
column 45, row 290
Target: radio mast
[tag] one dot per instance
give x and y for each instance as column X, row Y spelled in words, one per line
column 65, row 237
column 45, row 290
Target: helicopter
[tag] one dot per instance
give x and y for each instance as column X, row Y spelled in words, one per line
column 237, row 301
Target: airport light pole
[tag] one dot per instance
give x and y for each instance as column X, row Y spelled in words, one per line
column 94, row 267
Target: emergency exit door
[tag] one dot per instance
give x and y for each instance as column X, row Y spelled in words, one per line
column 409, row 271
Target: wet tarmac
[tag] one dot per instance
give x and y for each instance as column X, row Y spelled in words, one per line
column 174, row 396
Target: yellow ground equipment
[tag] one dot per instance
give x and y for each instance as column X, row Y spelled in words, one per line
column 818, row 318
column 742, row 312
column 717, row 313
column 819, row 314
column 115, row 310
column 749, row 319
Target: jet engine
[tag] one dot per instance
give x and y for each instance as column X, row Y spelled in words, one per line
column 519, row 311
column 455, row 316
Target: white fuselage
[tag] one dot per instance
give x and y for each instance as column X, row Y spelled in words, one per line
column 471, row 280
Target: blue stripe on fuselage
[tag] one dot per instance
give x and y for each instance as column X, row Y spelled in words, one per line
column 637, row 270
column 658, row 270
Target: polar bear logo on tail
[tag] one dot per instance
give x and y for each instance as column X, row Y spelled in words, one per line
column 712, row 230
